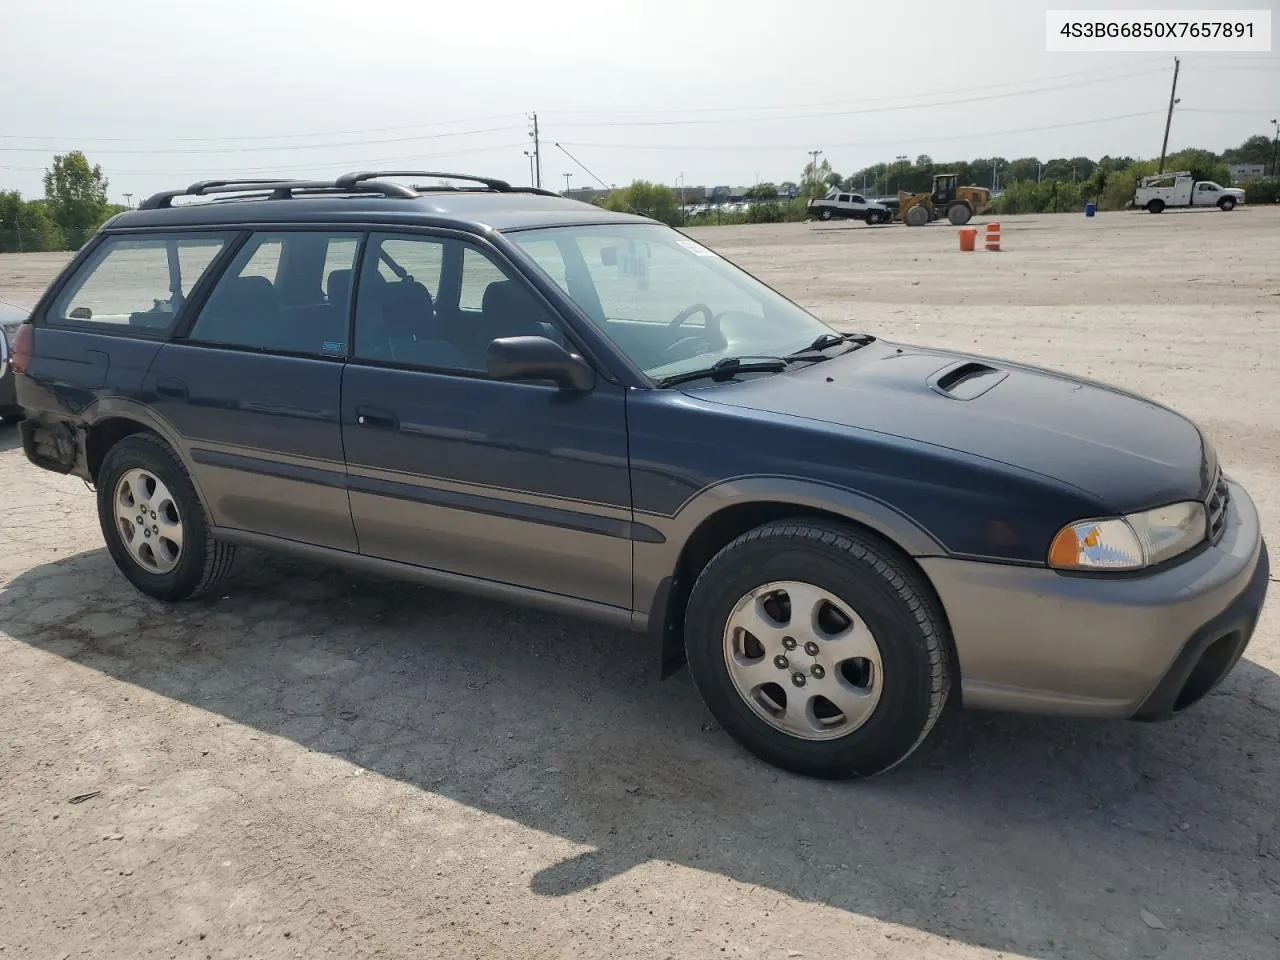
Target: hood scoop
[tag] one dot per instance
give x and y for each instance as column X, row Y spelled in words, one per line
column 965, row 380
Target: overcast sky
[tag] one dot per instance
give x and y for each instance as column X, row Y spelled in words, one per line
column 163, row 92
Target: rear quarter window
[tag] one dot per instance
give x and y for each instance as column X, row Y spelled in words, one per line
column 136, row 284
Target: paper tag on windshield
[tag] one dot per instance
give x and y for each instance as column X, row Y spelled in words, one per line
column 697, row 249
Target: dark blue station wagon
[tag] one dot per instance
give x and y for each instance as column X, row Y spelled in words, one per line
column 499, row 390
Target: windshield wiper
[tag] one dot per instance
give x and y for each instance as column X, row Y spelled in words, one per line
column 728, row 368
column 826, row 340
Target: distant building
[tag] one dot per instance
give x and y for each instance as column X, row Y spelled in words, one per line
column 1244, row 172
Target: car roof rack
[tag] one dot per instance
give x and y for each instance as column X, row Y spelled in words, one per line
column 266, row 188
column 359, row 182
column 351, row 179
column 488, row 183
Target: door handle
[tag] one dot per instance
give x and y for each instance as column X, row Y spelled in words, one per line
column 173, row 389
column 377, row 417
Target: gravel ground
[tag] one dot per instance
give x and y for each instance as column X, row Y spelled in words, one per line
column 312, row 764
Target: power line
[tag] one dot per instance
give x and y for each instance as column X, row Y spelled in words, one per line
column 271, row 136
column 864, row 143
column 851, row 113
column 276, row 148
column 839, row 103
column 327, row 164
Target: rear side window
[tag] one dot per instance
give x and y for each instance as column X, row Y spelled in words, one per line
column 284, row 292
column 137, row 283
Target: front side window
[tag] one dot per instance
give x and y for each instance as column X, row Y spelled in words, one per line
column 138, row 283
column 286, row 292
column 437, row 303
column 666, row 301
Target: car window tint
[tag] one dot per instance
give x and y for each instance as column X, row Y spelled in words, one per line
column 287, row 292
column 340, row 255
column 402, row 320
column 265, row 261
column 137, row 282
column 422, row 260
column 478, row 271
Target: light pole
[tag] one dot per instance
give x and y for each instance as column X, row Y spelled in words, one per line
column 899, row 160
column 529, row 154
column 128, row 201
column 813, row 166
column 566, row 183
column 680, row 189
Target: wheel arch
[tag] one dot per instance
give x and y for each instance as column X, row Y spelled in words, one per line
column 729, row 516
column 110, row 419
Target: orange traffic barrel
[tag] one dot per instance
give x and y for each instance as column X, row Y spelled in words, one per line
column 968, row 236
column 993, row 235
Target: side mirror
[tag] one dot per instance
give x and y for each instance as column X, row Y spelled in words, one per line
column 537, row 358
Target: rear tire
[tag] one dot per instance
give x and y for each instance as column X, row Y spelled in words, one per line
column 1227, row 204
column 886, row 695
column 169, row 553
column 1155, row 206
column 959, row 214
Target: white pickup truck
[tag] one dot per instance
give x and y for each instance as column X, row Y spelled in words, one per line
column 849, row 206
column 1180, row 189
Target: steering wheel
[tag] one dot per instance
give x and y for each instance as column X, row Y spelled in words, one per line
column 695, row 343
column 689, row 311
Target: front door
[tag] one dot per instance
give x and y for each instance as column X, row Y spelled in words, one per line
column 254, row 388
column 520, row 483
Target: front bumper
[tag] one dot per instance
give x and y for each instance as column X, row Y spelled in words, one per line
column 1142, row 646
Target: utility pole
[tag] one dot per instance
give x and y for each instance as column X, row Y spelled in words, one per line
column 537, row 152
column 1173, row 92
column 1274, row 143
column 813, row 166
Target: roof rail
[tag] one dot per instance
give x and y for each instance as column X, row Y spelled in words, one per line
column 274, row 189
column 351, row 179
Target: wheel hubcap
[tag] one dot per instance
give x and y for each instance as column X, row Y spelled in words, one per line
column 803, row 660
column 148, row 521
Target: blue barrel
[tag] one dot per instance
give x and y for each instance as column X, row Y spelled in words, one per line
column 1090, row 209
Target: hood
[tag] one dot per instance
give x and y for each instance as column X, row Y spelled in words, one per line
column 1126, row 451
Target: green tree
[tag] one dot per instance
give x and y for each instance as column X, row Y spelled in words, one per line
column 647, row 199
column 813, row 183
column 76, row 195
column 25, row 225
column 1256, row 149
column 1202, row 164
column 762, row 191
column 1024, row 168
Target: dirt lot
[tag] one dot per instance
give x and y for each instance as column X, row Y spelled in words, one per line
column 315, row 765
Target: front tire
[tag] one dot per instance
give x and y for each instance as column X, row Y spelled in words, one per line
column 917, row 216
column 824, row 214
column 818, row 648
column 154, row 523
column 1227, row 204
column 959, row 214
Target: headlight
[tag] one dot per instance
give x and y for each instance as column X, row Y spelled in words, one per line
column 1129, row 543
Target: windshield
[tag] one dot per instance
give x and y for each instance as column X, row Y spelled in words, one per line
column 667, row 302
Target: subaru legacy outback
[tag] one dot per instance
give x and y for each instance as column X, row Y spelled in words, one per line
column 500, row 390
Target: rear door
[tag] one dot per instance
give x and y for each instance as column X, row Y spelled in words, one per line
column 520, row 483
column 253, row 388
